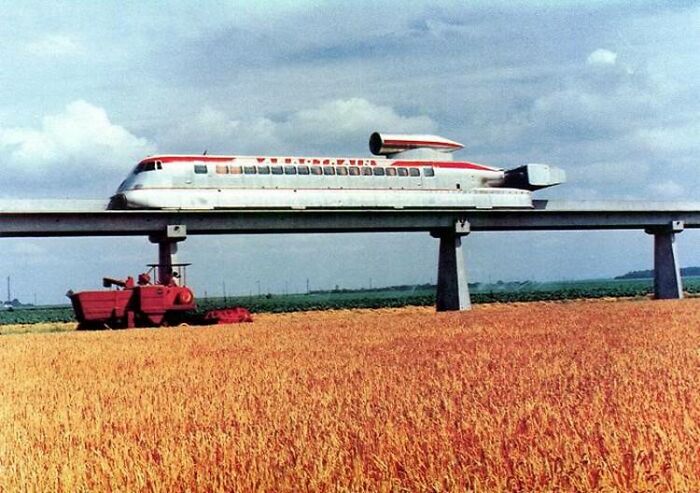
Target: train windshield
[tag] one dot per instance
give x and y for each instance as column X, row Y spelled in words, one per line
column 147, row 166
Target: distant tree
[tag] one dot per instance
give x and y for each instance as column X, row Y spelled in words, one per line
column 649, row 274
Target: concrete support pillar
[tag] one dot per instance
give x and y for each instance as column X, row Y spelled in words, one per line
column 167, row 256
column 452, row 287
column 667, row 276
column 167, row 249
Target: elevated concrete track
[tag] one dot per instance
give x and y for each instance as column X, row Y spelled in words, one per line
column 663, row 220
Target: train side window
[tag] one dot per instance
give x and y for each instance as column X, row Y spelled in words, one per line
column 403, row 171
column 378, row 171
column 221, row 169
column 200, row 169
column 342, row 170
column 263, row 170
column 234, row 170
column 366, row 171
column 316, row 170
column 159, row 165
column 414, row 171
column 276, row 170
column 428, row 172
column 290, row 170
column 249, row 170
column 303, row 170
column 354, row 171
column 391, row 172
column 328, row 170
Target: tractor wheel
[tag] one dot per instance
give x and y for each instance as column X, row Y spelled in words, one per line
column 184, row 297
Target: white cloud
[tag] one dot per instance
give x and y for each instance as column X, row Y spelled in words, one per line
column 330, row 127
column 213, row 130
column 602, row 57
column 351, row 118
column 81, row 131
column 575, row 114
column 55, row 45
column 671, row 141
column 82, row 135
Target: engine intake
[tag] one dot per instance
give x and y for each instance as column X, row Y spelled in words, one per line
column 390, row 144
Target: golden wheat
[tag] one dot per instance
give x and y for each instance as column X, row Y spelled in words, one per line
column 580, row 396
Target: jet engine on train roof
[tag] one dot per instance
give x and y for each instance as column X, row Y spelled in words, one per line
column 413, row 146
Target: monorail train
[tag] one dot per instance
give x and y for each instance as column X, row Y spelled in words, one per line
column 410, row 171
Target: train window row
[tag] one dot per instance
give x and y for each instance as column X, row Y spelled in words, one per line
column 223, row 169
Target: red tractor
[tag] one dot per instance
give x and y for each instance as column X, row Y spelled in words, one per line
column 147, row 304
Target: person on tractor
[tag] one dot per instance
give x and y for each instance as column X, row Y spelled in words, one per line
column 144, row 279
column 174, row 279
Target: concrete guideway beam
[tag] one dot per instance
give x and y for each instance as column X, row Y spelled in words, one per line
column 167, row 248
column 667, row 275
column 452, row 281
column 71, row 220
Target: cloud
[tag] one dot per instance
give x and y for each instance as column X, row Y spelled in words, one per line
column 355, row 117
column 672, row 141
column 331, row 127
column 54, row 46
column 611, row 172
column 80, row 142
column 213, row 130
column 602, row 57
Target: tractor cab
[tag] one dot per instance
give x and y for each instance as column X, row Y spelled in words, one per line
column 168, row 275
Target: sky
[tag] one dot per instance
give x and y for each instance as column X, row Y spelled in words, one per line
column 605, row 90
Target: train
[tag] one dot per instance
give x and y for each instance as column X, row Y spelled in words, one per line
column 405, row 172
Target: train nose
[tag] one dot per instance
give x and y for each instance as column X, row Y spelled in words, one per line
column 117, row 202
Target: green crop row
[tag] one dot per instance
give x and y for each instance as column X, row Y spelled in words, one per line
column 37, row 315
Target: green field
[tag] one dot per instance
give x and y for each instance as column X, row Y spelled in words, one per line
column 389, row 297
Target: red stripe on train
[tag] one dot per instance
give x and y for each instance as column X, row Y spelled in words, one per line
column 445, row 164
column 436, row 164
column 190, row 159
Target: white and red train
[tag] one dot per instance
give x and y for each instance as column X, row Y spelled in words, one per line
column 409, row 171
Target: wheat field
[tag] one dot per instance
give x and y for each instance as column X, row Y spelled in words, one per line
column 575, row 396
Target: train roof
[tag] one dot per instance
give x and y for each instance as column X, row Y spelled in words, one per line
column 350, row 161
